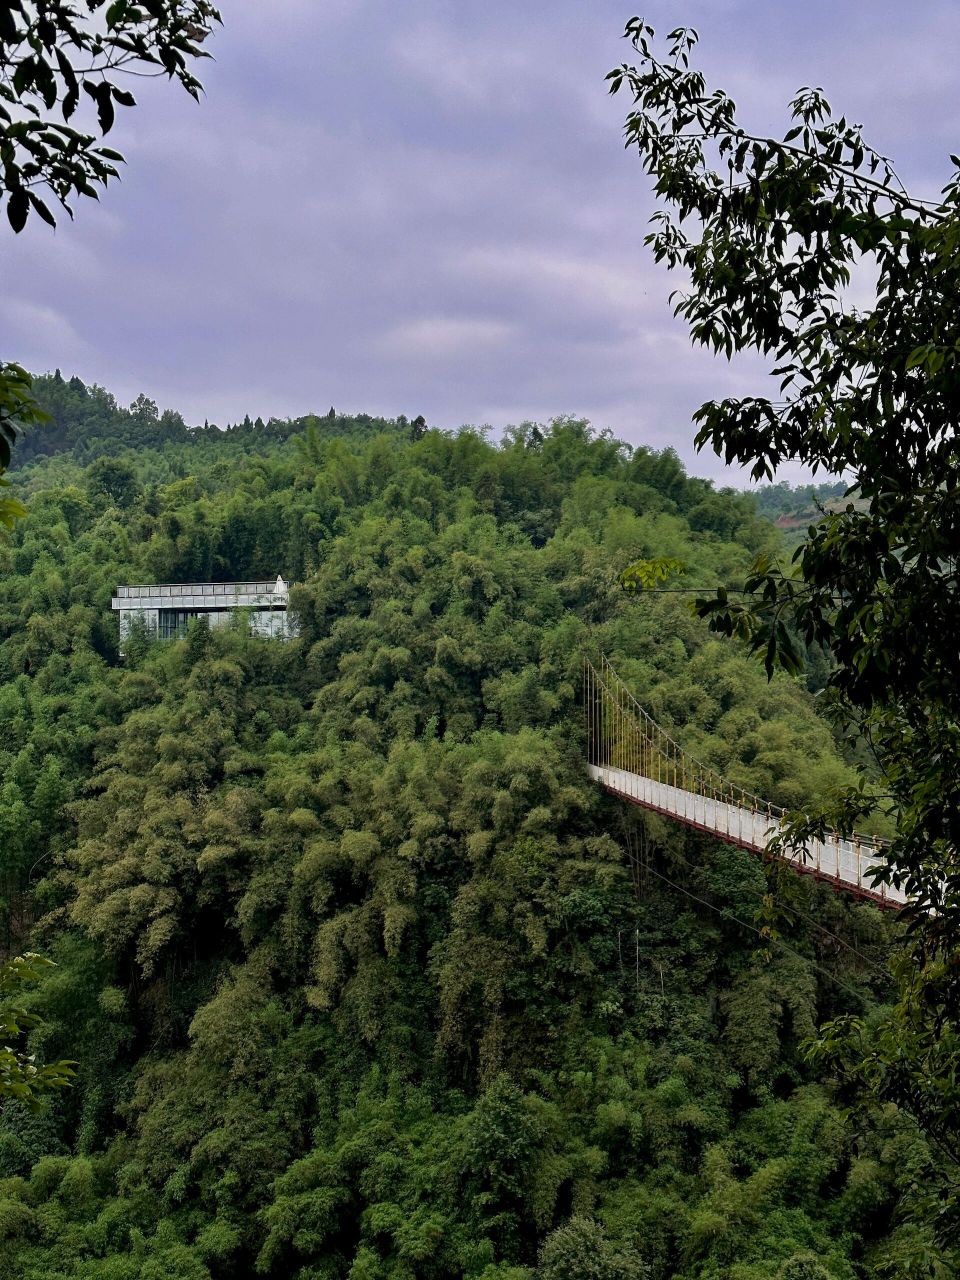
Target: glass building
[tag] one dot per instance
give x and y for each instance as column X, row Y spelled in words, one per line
column 165, row 609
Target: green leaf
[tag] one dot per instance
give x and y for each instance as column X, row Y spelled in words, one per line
column 18, row 206
column 40, row 208
column 648, row 574
column 116, row 13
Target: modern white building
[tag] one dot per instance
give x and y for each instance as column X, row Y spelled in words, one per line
column 166, row 609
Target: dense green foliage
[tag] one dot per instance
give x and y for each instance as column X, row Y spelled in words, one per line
column 17, row 408
column 364, row 977
column 767, row 232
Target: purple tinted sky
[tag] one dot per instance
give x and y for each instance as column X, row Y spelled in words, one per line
column 426, row 208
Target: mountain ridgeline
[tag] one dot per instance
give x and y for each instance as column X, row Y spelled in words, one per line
column 365, row 979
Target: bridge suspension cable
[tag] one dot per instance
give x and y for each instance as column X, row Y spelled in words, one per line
column 632, row 757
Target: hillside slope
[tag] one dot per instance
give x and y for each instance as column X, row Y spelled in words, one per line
column 365, row 978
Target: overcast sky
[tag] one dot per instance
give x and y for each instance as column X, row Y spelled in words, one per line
column 426, row 208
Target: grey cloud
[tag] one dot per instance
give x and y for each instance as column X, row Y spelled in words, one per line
column 429, row 210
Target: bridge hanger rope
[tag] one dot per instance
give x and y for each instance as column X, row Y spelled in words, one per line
column 773, row 940
column 880, row 970
column 671, row 750
column 630, row 755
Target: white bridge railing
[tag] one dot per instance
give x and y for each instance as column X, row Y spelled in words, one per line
column 632, row 757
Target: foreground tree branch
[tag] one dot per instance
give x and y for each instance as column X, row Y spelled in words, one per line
column 767, row 233
column 22, row 1078
column 55, row 55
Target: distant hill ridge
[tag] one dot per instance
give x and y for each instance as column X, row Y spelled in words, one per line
column 88, row 422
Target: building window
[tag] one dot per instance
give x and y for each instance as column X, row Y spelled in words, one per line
column 173, row 622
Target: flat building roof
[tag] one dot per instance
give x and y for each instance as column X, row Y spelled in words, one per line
column 211, row 595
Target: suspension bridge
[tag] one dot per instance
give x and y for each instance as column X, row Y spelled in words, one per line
column 633, row 758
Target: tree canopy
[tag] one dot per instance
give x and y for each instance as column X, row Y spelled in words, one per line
column 364, row 976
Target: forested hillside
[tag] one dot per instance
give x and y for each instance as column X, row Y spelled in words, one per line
column 802, row 502
column 365, row 979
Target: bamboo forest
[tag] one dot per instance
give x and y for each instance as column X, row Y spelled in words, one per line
column 362, row 976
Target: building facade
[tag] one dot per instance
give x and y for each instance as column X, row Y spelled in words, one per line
column 166, row 609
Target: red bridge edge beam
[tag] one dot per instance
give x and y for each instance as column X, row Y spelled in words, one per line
column 877, row 897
